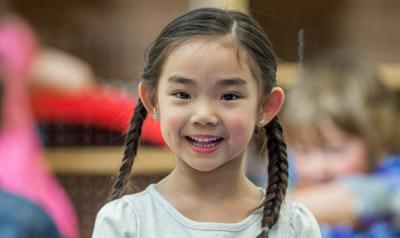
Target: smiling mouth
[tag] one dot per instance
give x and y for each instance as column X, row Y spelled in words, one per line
column 206, row 142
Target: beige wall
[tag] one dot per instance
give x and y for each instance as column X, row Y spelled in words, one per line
column 111, row 35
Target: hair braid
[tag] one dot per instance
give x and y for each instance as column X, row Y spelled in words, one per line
column 131, row 145
column 277, row 175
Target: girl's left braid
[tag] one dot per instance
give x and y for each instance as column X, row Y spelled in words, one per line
column 131, row 146
column 277, row 176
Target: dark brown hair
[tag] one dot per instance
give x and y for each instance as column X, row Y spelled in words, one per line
column 211, row 22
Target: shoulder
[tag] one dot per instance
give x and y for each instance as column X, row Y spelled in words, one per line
column 299, row 220
column 119, row 218
column 116, row 210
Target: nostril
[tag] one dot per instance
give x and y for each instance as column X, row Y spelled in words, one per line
column 204, row 114
column 208, row 123
column 205, row 120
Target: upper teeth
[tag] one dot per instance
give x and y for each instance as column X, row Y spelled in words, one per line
column 204, row 139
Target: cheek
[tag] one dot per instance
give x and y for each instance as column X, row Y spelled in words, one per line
column 358, row 165
column 239, row 128
column 303, row 167
column 170, row 126
column 352, row 159
column 355, row 161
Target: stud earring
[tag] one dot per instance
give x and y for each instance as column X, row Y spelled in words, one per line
column 262, row 123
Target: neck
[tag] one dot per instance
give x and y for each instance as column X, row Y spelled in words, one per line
column 224, row 194
column 226, row 181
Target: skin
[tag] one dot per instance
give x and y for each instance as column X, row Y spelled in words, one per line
column 205, row 91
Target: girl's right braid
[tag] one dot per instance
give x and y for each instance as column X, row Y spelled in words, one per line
column 277, row 176
column 131, row 145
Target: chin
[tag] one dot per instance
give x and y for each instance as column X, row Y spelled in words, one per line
column 203, row 166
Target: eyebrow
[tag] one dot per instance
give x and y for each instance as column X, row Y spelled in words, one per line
column 181, row 80
column 231, row 82
column 227, row 82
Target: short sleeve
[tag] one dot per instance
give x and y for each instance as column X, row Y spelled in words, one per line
column 303, row 223
column 115, row 220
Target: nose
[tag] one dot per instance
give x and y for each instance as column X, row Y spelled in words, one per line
column 318, row 167
column 204, row 114
column 324, row 174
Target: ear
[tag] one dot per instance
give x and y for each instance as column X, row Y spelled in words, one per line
column 148, row 98
column 271, row 106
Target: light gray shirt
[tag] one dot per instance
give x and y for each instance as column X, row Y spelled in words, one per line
column 149, row 215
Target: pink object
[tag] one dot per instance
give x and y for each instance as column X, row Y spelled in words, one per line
column 23, row 170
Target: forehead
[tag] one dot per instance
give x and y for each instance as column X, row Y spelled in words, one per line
column 208, row 58
column 320, row 134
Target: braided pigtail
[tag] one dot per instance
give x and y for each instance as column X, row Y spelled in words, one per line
column 131, row 146
column 277, row 176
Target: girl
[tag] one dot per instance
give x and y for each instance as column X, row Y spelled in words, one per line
column 343, row 139
column 210, row 81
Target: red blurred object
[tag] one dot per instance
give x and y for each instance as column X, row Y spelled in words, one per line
column 102, row 107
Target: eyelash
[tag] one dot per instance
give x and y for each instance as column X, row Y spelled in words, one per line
column 181, row 95
column 186, row 96
column 236, row 97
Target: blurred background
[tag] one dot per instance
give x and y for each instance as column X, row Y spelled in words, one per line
column 92, row 54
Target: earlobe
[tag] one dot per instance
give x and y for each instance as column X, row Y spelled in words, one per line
column 148, row 98
column 271, row 105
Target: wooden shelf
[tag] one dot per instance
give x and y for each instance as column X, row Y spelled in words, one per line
column 390, row 74
column 106, row 160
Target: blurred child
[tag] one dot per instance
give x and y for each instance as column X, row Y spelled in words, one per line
column 342, row 128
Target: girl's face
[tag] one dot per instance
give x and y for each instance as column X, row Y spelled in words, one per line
column 341, row 154
column 207, row 103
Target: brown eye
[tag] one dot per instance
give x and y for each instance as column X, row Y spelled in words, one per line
column 182, row 95
column 229, row 97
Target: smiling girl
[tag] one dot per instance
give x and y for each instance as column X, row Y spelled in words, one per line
column 210, row 81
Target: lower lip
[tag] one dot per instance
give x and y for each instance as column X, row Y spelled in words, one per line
column 204, row 150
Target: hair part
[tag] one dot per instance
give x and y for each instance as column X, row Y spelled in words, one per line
column 250, row 38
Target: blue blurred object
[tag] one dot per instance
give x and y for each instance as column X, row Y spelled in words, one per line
column 378, row 230
column 375, row 221
column 20, row 218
